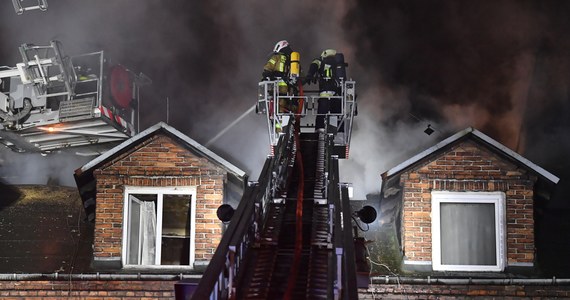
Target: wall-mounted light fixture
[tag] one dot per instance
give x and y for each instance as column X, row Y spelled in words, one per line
column 367, row 214
column 225, row 213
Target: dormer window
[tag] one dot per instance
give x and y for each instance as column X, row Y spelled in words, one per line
column 468, row 231
column 159, row 226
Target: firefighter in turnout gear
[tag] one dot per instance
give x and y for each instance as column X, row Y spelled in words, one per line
column 277, row 68
column 328, row 70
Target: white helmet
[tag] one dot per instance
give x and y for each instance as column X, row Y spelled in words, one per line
column 328, row 52
column 280, row 45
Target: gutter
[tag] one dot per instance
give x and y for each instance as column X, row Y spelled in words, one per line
column 469, row 281
column 95, row 276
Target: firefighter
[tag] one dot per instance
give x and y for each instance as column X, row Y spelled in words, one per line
column 326, row 70
column 277, row 68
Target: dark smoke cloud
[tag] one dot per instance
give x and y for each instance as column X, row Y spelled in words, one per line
column 453, row 52
column 205, row 58
column 500, row 66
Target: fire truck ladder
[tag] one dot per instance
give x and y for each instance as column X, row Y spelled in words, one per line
column 273, row 269
column 287, row 238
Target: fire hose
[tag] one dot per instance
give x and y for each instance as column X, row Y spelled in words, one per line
column 299, row 210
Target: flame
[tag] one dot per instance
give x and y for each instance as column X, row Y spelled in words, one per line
column 49, row 129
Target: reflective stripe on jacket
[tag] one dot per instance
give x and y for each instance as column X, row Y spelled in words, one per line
column 276, row 66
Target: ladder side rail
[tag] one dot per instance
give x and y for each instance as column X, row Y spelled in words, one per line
column 249, row 230
column 332, row 259
column 219, row 279
column 345, row 286
column 349, row 96
column 215, row 283
column 333, row 199
column 258, row 216
column 245, row 235
column 284, row 156
column 350, row 287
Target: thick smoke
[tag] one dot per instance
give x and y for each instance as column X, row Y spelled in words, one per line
column 450, row 55
column 499, row 66
column 205, row 59
column 33, row 168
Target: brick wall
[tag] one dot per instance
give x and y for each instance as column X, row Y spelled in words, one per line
column 111, row 290
column 468, row 167
column 158, row 162
column 458, row 291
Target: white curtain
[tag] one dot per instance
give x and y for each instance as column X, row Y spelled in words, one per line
column 468, row 234
column 148, row 228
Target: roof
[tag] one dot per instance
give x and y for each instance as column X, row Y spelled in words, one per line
column 161, row 126
column 481, row 136
column 42, row 230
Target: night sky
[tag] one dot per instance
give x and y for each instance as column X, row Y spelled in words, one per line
column 502, row 67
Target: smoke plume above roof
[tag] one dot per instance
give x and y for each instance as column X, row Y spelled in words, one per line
column 499, row 66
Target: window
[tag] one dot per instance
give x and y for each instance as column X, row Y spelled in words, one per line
column 159, row 226
column 468, row 231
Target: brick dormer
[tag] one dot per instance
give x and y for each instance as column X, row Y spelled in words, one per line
column 466, row 204
column 153, row 201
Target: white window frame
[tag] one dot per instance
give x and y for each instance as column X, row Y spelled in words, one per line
column 160, row 191
column 496, row 198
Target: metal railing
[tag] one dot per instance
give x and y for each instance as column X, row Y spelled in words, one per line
column 344, row 265
column 219, row 279
column 269, row 101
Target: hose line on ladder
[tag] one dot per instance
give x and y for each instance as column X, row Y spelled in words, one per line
column 299, row 210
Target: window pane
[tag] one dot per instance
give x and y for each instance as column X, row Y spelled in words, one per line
column 175, row 251
column 141, row 246
column 176, row 230
column 468, row 234
column 133, row 249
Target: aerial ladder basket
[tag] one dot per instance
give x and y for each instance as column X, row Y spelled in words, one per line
column 51, row 101
column 338, row 123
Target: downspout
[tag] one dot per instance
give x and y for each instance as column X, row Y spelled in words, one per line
column 469, row 281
